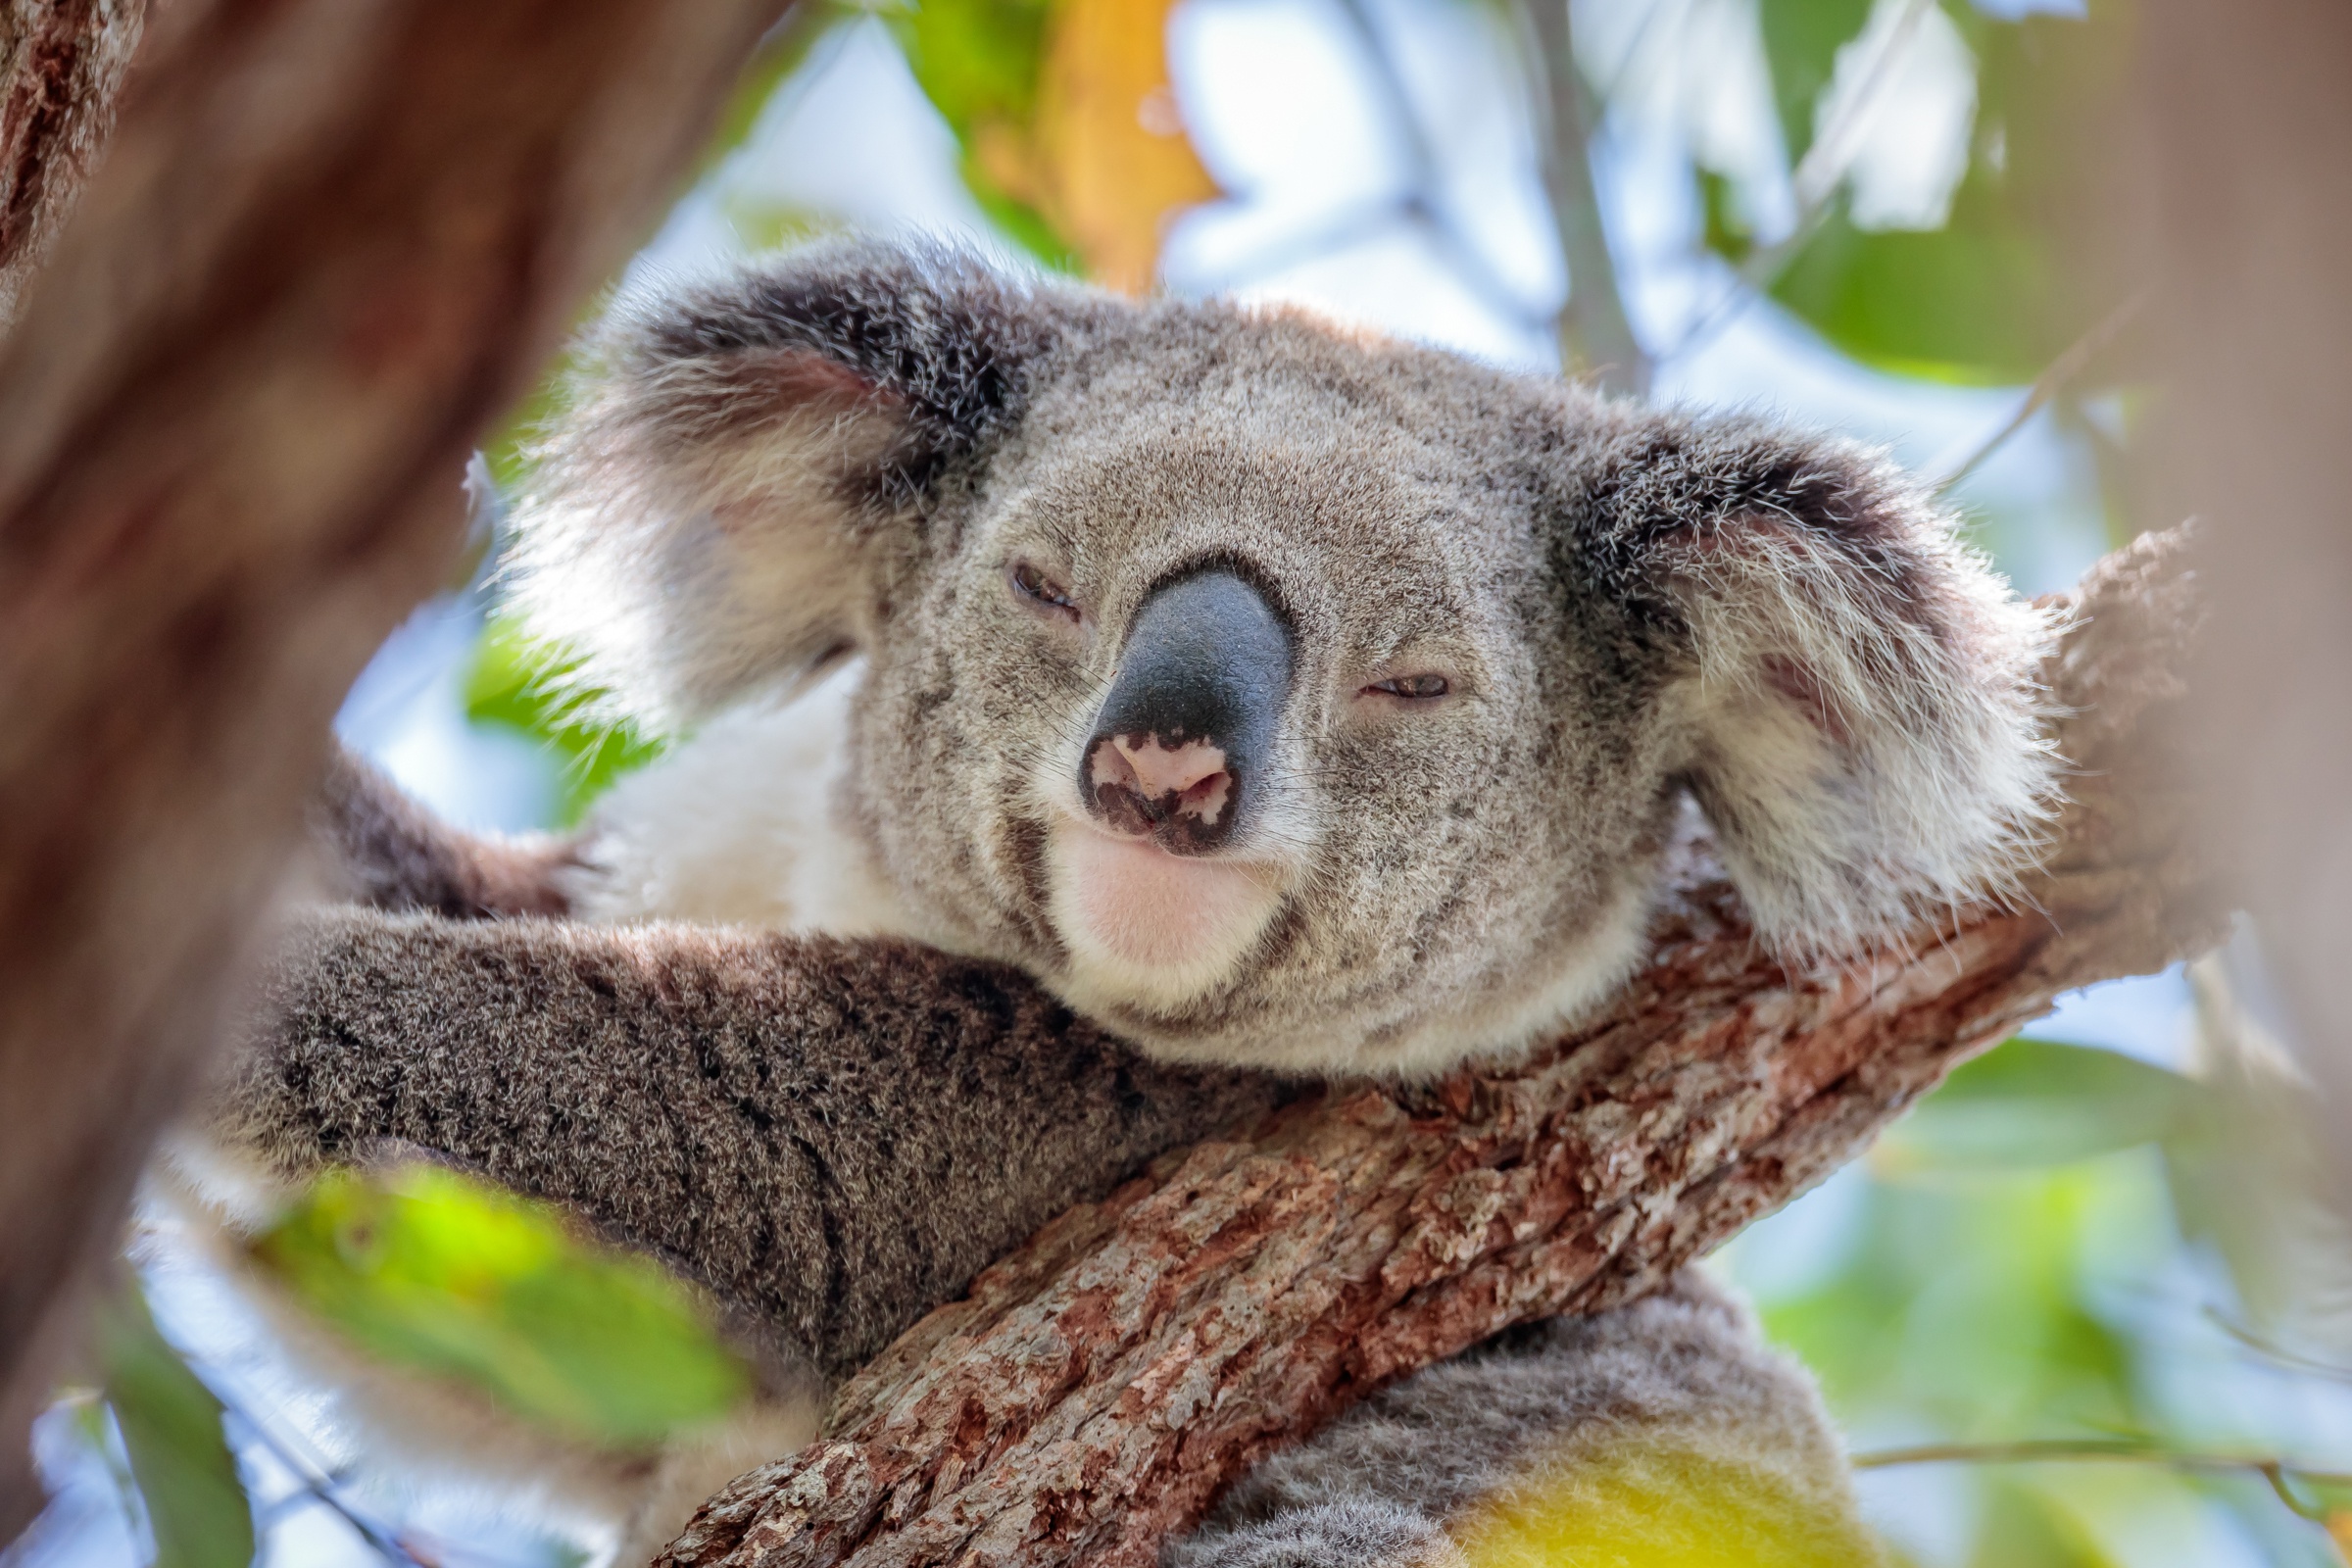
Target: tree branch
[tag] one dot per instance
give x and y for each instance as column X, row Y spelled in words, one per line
column 2282, row 1476
column 1094, row 1391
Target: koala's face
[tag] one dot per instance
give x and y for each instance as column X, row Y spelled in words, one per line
column 1227, row 706
column 1276, row 695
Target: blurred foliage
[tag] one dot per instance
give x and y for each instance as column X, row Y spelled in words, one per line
column 1972, row 1297
column 524, row 684
column 2031, row 1103
column 460, row 1278
column 2016, row 273
column 1072, row 137
column 1658, row 1509
column 180, row 1468
column 1726, row 230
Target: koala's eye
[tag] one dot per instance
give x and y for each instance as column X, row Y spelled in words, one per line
column 1412, row 688
column 1043, row 591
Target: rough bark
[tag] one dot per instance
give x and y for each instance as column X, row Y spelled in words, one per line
column 1093, row 1392
column 62, row 65
column 332, row 240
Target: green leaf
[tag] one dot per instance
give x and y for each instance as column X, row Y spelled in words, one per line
column 1801, row 40
column 2029, row 1102
column 978, row 61
column 195, row 1502
column 1966, row 303
column 2024, row 267
column 452, row 1277
column 529, row 685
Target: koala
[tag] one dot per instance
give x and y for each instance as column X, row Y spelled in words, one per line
column 1282, row 701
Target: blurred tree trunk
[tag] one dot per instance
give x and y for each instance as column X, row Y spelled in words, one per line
column 332, row 241
column 62, row 63
column 2245, row 138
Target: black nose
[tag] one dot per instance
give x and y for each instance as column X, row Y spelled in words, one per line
column 1192, row 716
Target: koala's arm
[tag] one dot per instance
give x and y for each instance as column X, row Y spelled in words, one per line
column 833, row 1137
column 371, row 844
column 1664, row 1430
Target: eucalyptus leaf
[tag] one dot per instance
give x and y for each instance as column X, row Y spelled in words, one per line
column 449, row 1276
column 2031, row 1102
column 194, row 1498
column 1966, row 303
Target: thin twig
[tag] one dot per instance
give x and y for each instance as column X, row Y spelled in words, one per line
column 316, row 1481
column 2061, row 371
column 2272, row 1351
column 1596, row 338
column 2281, row 1475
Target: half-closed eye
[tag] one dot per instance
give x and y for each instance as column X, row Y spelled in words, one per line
column 1040, row 592
column 1411, row 688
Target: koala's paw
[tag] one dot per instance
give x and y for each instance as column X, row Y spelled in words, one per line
column 1331, row 1534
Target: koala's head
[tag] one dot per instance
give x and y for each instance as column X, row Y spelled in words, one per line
column 1275, row 694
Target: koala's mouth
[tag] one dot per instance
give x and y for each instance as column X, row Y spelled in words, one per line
column 1147, row 928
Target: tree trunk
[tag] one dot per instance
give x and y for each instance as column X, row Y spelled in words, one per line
column 333, row 240
column 62, row 63
column 2245, row 133
column 1096, row 1390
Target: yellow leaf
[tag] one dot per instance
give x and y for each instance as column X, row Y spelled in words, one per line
column 2339, row 1531
column 1638, row 1504
column 1113, row 146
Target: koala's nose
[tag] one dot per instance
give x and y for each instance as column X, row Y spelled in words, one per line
column 1192, row 716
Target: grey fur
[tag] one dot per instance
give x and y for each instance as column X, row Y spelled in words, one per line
column 832, row 1136
column 1659, row 1427
column 846, row 453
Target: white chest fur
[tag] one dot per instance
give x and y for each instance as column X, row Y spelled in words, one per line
column 737, row 825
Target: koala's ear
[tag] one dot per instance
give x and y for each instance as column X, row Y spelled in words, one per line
column 1855, row 694
column 743, row 468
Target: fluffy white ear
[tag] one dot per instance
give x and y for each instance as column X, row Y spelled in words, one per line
column 1857, row 692
column 743, row 468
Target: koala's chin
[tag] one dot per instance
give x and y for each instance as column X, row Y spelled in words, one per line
column 1147, row 929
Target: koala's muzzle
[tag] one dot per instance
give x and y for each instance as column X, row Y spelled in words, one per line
column 1192, row 715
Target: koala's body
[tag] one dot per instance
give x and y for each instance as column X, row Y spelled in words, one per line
column 1277, row 698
